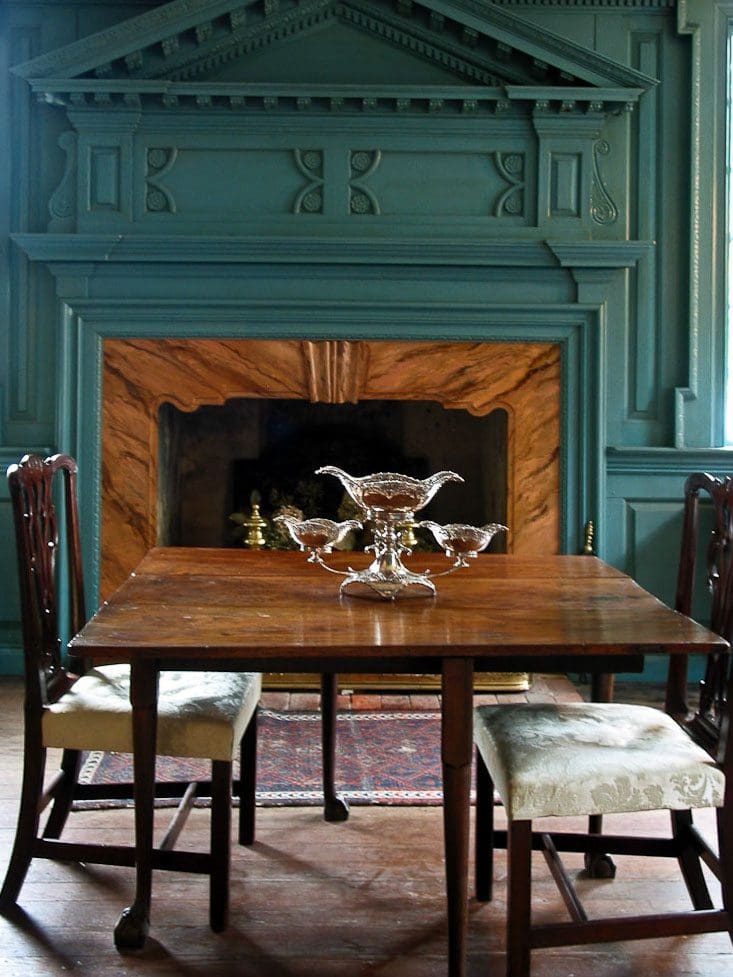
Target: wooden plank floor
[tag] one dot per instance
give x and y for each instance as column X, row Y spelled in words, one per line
column 310, row 898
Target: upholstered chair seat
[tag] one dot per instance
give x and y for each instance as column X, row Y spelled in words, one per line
column 582, row 758
column 96, row 713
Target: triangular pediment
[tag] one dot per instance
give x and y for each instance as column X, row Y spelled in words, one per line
column 335, row 53
column 320, row 43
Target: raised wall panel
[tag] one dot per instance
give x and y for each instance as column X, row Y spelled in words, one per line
column 104, row 178
column 441, row 184
column 653, row 528
column 652, row 531
column 250, row 181
column 27, row 322
column 565, row 184
column 644, row 344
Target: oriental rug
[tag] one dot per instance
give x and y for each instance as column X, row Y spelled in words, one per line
column 385, row 758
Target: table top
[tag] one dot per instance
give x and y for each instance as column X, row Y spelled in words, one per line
column 212, row 604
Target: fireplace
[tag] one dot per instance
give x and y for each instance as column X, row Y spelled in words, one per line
column 522, row 380
column 217, row 461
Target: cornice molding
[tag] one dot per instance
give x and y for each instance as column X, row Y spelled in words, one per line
column 667, row 461
column 540, row 43
column 595, row 4
column 82, row 93
column 600, row 254
column 114, row 42
column 186, row 39
column 570, row 4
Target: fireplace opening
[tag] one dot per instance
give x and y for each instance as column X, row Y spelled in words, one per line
column 215, row 461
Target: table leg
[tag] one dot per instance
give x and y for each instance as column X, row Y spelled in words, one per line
column 335, row 808
column 134, row 922
column 457, row 753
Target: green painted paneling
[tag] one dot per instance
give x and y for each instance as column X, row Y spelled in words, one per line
column 644, row 521
column 461, row 208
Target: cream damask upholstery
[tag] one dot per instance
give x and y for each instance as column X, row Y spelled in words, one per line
column 200, row 714
column 592, row 758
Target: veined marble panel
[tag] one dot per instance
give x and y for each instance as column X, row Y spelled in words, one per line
column 140, row 375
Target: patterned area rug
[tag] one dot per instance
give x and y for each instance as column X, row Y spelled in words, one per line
column 382, row 758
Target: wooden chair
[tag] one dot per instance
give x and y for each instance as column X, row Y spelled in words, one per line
column 603, row 758
column 206, row 715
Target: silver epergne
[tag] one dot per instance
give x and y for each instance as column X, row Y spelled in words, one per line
column 389, row 502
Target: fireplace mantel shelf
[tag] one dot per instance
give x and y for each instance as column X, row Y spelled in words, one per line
column 205, row 249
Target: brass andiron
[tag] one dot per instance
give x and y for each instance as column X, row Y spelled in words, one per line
column 254, row 524
column 589, row 538
column 388, row 502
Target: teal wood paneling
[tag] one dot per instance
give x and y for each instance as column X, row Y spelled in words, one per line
column 699, row 405
column 649, row 478
column 650, row 530
column 424, row 217
column 644, row 518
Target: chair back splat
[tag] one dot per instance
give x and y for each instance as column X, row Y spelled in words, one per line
column 209, row 715
column 31, row 485
column 597, row 758
column 704, row 719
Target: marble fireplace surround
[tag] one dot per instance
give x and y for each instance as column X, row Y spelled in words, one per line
column 522, row 378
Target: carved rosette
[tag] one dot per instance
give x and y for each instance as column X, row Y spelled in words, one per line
column 158, row 198
column 336, row 370
column 363, row 163
column 310, row 198
column 510, row 166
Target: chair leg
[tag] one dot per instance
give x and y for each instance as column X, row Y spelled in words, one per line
column 29, row 816
column 598, row 865
column 724, row 816
column 221, row 826
column 248, row 782
column 70, row 766
column 335, row 808
column 484, row 834
column 689, row 862
column 519, row 849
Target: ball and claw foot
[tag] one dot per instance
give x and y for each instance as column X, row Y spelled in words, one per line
column 335, row 809
column 600, row 866
column 131, row 929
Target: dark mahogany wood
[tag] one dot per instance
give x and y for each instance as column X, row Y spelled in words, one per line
column 33, row 484
column 275, row 612
column 335, row 807
column 707, row 721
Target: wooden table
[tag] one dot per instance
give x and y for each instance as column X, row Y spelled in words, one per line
column 194, row 608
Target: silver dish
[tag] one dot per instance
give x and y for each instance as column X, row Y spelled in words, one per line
column 389, row 501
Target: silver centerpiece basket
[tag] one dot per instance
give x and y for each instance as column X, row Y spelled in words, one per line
column 388, row 502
